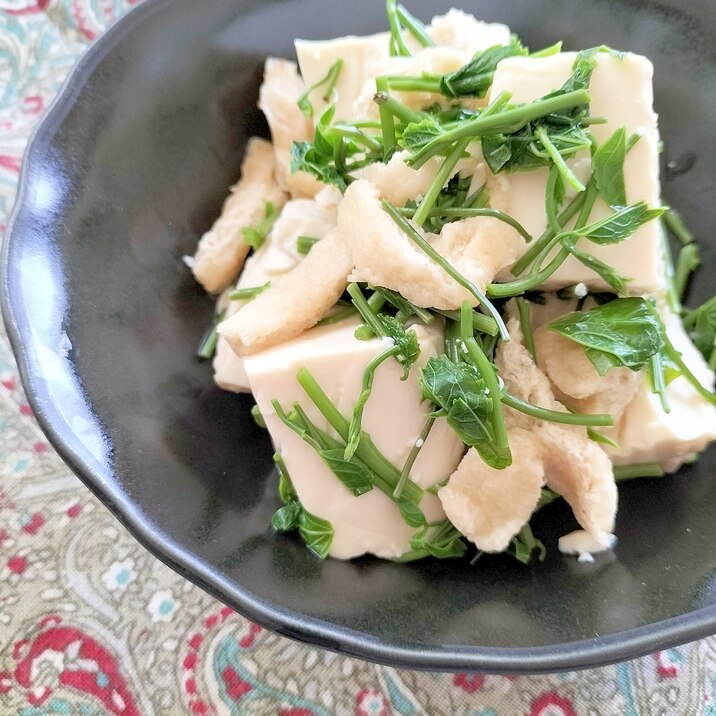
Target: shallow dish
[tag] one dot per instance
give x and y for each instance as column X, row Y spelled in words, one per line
column 127, row 170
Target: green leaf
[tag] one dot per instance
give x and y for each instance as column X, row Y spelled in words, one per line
column 351, row 472
column 287, row 518
column 405, row 339
column 610, row 275
column 475, row 78
column 625, row 332
column 411, row 512
column 460, row 392
column 525, row 544
column 608, row 167
column 305, row 157
column 701, row 323
column 255, row 236
column 317, row 533
column 286, row 491
column 417, row 134
column 620, row 225
column 442, row 541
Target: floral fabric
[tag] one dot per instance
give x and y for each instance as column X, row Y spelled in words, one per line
column 91, row 624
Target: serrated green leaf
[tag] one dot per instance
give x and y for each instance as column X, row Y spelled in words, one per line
column 624, row 332
column 475, row 78
column 417, row 134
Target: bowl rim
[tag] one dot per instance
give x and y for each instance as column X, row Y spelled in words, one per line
column 581, row 654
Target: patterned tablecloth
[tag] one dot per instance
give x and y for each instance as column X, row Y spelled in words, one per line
column 90, row 623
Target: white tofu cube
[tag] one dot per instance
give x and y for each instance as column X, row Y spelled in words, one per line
column 621, row 91
column 394, row 417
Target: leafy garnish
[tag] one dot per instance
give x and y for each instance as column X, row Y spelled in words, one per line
column 701, row 325
column 255, row 235
column 461, row 394
column 610, row 275
column 329, row 80
column 618, row 226
column 316, row 532
column 625, row 332
column 475, row 78
column 608, row 167
column 524, row 544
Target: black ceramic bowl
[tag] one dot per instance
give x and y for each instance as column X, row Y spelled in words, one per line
column 127, row 170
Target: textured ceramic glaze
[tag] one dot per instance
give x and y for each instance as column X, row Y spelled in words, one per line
column 131, row 166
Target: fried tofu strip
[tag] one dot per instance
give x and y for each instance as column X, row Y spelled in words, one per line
column 221, row 251
column 294, row 303
column 278, row 96
column 574, row 466
column 490, row 506
column 576, row 381
column 478, row 248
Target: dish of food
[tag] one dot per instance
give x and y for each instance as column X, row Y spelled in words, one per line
column 459, row 302
column 127, row 171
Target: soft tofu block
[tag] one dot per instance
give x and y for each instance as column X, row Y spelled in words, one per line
column 366, row 57
column 621, row 91
column 645, row 433
column 394, row 417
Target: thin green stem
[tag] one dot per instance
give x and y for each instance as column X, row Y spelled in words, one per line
column 531, row 254
column 523, row 311
column 595, row 420
column 675, row 224
column 350, row 132
column 397, row 42
column 632, row 472
column 686, row 371
column 566, row 173
column 338, row 316
column 468, row 211
column 397, row 109
column 550, row 204
column 480, row 322
column 366, row 451
column 414, row 27
column 409, row 83
column 488, row 374
column 354, row 429
column 529, row 282
column 505, row 122
column 412, row 456
column 441, row 178
column 364, row 308
column 658, row 384
column 246, row 294
column 387, row 121
column 305, row 243
column 207, row 344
